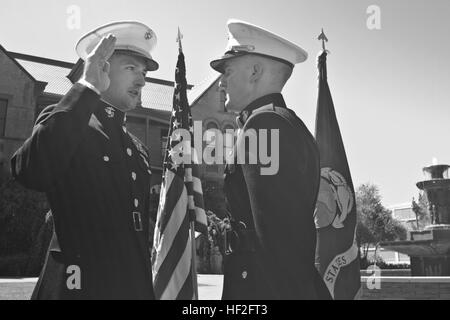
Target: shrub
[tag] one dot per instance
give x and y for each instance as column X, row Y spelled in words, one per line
column 22, row 213
column 25, row 231
column 39, row 249
column 14, row 265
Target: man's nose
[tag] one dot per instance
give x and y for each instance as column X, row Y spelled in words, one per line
column 140, row 80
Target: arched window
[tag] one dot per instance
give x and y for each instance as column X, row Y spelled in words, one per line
column 211, row 125
column 229, row 135
column 211, row 131
column 228, row 127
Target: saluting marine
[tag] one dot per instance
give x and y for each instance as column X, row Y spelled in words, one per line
column 272, row 241
column 96, row 174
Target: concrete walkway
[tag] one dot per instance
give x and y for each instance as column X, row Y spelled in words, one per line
column 209, row 287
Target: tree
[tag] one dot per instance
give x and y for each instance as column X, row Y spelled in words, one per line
column 375, row 222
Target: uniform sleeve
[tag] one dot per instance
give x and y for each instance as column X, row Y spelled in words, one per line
column 56, row 135
column 284, row 226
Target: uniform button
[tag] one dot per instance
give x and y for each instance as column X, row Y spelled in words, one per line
column 129, row 152
column 133, row 176
column 149, row 172
column 106, row 158
column 244, row 275
column 136, row 202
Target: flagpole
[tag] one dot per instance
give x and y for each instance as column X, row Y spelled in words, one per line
column 324, row 39
column 192, row 217
column 193, row 263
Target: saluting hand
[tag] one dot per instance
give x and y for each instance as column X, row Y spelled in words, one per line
column 96, row 68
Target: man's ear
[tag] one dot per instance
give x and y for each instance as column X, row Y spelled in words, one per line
column 257, row 71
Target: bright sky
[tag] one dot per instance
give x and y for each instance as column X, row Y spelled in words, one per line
column 391, row 86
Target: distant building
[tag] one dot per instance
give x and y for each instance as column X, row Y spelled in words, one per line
column 404, row 213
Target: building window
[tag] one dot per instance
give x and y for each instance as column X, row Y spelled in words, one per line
column 211, row 125
column 3, row 108
column 228, row 142
column 212, row 130
column 2, row 161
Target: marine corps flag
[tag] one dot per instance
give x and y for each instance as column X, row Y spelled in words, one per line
column 337, row 257
column 180, row 205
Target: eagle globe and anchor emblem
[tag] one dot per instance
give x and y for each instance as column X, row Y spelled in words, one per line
column 335, row 200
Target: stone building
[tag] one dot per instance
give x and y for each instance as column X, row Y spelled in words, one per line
column 19, row 92
column 208, row 106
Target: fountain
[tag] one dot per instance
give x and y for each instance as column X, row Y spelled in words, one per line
column 429, row 249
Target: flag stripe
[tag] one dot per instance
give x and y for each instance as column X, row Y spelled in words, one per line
column 198, row 197
column 168, row 178
column 187, row 290
column 197, row 184
column 171, row 260
column 174, row 192
column 167, row 238
column 180, row 275
column 198, row 200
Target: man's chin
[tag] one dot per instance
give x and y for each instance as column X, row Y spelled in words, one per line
column 129, row 105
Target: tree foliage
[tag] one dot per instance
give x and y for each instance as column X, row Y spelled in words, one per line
column 22, row 213
column 25, row 230
column 375, row 222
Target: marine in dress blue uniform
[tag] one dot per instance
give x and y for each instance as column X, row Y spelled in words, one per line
column 96, row 176
column 272, row 241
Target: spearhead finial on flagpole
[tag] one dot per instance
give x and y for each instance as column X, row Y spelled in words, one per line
column 324, row 39
column 179, row 37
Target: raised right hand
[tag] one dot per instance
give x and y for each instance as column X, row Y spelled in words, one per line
column 96, row 66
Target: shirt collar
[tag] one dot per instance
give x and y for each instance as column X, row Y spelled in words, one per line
column 274, row 99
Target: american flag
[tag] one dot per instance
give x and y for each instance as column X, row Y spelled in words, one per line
column 181, row 202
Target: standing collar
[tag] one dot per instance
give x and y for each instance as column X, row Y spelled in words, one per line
column 274, row 99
